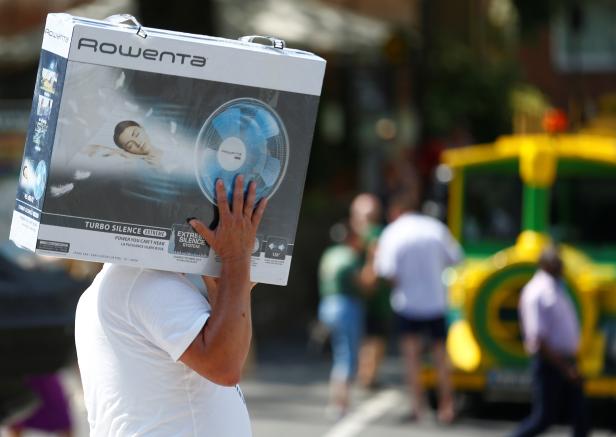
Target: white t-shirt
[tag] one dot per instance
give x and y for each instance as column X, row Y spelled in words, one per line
column 132, row 326
column 412, row 252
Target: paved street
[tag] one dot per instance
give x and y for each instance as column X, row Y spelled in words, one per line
column 287, row 397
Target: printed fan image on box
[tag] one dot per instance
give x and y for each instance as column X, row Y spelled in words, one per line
column 245, row 136
column 128, row 135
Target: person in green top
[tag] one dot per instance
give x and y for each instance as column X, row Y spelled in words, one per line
column 341, row 310
column 366, row 217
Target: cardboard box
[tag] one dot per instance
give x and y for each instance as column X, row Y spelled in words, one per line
column 129, row 129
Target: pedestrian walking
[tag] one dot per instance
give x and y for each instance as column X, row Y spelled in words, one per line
column 366, row 221
column 341, row 310
column 412, row 254
column 551, row 335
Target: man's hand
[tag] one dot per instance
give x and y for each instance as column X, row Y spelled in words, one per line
column 571, row 373
column 234, row 237
column 562, row 364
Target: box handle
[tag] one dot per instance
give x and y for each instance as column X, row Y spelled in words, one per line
column 264, row 40
column 129, row 21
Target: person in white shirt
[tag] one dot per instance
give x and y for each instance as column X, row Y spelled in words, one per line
column 412, row 253
column 159, row 359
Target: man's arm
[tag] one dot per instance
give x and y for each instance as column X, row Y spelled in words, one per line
column 367, row 278
column 384, row 263
column 219, row 351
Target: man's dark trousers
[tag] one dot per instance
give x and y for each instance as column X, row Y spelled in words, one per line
column 551, row 391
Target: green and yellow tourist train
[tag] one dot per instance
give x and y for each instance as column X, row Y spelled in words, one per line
column 506, row 200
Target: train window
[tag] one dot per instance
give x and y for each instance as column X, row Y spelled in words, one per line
column 492, row 208
column 583, row 209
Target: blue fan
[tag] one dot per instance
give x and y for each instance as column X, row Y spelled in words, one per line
column 243, row 136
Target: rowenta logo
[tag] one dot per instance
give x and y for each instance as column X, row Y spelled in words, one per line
column 56, row 35
column 137, row 52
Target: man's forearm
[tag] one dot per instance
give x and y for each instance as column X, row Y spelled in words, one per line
column 219, row 352
column 228, row 331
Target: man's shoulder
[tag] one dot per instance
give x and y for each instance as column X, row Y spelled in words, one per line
column 537, row 289
column 411, row 225
column 153, row 274
column 128, row 278
column 154, row 293
column 398, row 224
column 430, row 223
column 160, row 279
column 388, row 231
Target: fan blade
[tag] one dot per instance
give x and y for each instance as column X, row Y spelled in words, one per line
column 227, row 123
column 271, row 171
column 252, row 135
column 267, row 123
column 256, row 145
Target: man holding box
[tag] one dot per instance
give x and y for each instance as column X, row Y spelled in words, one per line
column 158, row 359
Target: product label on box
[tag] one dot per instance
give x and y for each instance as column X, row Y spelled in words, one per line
column 34, row 170
column 40, row 139
column 57, row 34
column 185, row 241
column 153, row 253
column 190, row 58
column 24, row 229
column 105, row 226
column 53, row 246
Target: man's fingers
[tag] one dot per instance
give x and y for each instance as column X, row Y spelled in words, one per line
column 221, row 198
column 203, row 230
column 238, row 195
column 258, row 214
column 250, row 199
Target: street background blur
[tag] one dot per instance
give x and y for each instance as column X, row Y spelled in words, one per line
column 406, row 80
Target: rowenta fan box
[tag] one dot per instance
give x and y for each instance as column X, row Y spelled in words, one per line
column 131, row 127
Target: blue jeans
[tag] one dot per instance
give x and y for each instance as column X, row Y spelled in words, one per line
column 551, row 390
column 343, row 315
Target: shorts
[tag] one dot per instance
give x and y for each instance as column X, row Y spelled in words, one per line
column 375, row 326
column 434, row 328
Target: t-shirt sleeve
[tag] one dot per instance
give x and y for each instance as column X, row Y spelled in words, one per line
column 168, row 310
column 453, row 251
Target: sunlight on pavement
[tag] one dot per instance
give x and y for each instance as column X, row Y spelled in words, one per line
column 366, row 413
